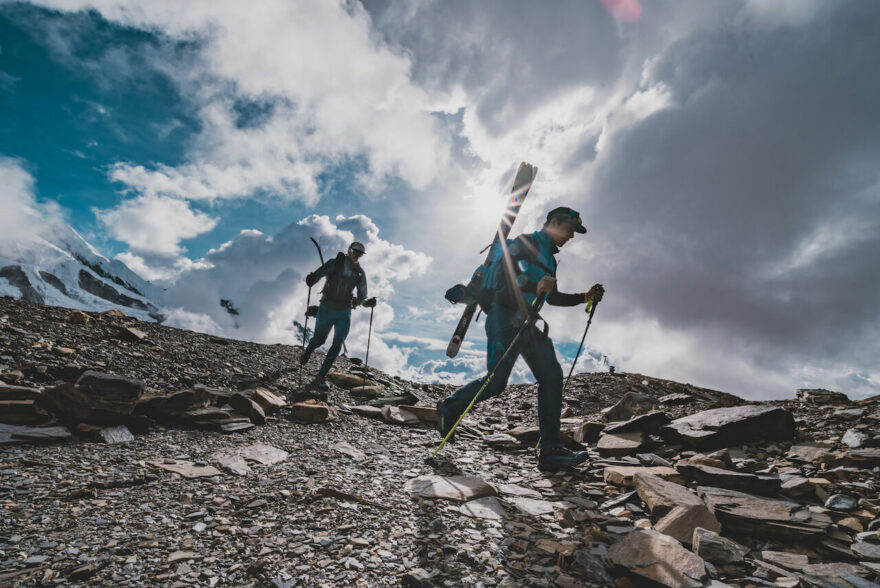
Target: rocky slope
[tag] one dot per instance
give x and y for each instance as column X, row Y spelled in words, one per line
column 685, row 486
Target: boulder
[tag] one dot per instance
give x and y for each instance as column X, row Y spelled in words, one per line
column 109, row 391
column 623, row 475
column 311, row 411
column 268, row 401
column 460, row 488
column 344, row 380
column 114, row 313
column 11, row 392
column 821, row 396
column 681, row 521
column 710, row 476
column 117, row 434
column 78, row 317
column 658, row 558
column 632, row 404
column 426, row 414
column 587, row 432
column 130, row 335
column 619, row 445
column 716, row 549
column 367, row 391
column 399, row 416
column 757, row 516
column 661, row 495
column 725, row 427
column 241, row 403
column 22, row 412
column 647, row 423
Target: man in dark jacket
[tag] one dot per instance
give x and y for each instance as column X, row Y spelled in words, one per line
column 527, row 271
column 343, row 275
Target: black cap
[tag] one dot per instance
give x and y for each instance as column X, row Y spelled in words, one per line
column 357, row 246
column 568, row 215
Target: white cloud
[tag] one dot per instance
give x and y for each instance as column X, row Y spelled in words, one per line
column 328, row 92
column 23, row 218
column 271, row 294
column 155, row 224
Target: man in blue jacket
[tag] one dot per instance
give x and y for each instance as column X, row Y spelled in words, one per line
column 343, row 274
column 529, row 271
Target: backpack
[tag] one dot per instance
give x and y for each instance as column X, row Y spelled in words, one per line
column 337, row 290
column 488, row 280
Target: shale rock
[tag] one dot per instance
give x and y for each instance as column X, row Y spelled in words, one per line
column 726, row 427
column 658, row 558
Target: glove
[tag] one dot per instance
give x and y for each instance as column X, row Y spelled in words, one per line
column 369, row 302
column 312, row 311
column 311, row 280
column 595, row 294
column 354, row 302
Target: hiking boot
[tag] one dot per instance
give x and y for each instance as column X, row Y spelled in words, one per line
column 321, row 384
column 445, row 422
column 551, row 458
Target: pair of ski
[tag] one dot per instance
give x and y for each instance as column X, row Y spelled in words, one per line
column 525, row 175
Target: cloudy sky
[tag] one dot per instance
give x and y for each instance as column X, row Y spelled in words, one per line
column 722, row 154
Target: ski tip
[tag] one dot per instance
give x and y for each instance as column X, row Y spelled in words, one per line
column 453, row 347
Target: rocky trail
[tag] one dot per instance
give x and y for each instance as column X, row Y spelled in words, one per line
column 133, row 454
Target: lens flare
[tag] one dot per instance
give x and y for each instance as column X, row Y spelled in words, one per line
column 624, row 10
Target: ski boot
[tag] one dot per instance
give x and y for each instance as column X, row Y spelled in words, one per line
column 553, row 458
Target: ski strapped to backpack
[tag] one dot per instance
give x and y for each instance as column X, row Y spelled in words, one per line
column 474, row 292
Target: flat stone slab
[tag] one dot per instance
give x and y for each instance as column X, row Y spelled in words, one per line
column 748, row 514
column 620, row 444
column 461, row 488
column 623, row 475
column 716, row 549
column 22, row 434
column 344, row 380
column 374, row 412
column 646, row 423
column 533, row 507
column 427, row 414
column 264, row 454
column 187, row 469
column 705, row 475
column 232, row 463
column 808, row 453
column 658, row 558
column 349, row 450
column 680, row 522
column 399, row 416
column 661, row 495
column 514, row 490
column 483, row 508
column 726, row 427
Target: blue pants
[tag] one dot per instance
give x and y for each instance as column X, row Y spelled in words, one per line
column 537, row 350
column 328, row 318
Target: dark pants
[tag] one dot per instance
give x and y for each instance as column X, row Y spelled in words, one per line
column 537, row 350
column 328, row 318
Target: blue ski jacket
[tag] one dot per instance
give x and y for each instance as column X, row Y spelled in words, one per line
column 532, row 258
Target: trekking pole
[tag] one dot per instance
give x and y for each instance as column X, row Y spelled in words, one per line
column 577, row 355
column 536, row 306
column 369, row 336
column 305, row 335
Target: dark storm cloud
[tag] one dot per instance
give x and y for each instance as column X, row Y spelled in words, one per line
column 751, row 206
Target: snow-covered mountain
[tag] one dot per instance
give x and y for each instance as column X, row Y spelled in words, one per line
column 63, row 269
